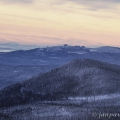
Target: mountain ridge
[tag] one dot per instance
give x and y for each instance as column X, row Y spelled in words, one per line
column 57, row 55
column 77, row 78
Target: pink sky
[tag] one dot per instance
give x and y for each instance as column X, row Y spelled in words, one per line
column 53, row 22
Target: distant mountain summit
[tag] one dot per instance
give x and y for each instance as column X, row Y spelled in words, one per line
column 77, row 78
column 57, row 55
column 106, row 49
column 13, row 46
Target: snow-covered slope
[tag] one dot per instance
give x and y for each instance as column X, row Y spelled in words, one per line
column 75, row 79
column 106, row 49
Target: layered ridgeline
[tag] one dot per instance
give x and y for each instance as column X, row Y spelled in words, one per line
column 75, row 79
column 59, row 55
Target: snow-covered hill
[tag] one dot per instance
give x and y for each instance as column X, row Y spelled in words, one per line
column 75, row 79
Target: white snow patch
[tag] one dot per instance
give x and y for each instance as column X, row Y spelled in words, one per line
column 63, row 111
column 54, row 57
column 39, row 60
column 79, row 52
column 95, row 98
column 15, row 71
column 43, row 61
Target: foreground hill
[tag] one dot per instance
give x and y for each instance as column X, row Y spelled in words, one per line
column 75, row 79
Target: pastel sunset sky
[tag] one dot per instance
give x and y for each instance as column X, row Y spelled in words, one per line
column 55, row 22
